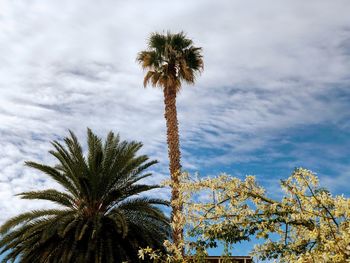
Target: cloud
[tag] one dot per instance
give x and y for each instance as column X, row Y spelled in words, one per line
column 270, row 69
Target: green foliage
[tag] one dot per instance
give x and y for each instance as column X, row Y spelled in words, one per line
column 170, row 59
column 102, row 218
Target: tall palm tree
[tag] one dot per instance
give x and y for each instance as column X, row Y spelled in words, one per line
column 101, row 218
column 170, row 60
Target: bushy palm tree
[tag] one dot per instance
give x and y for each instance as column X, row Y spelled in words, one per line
column 101, row 217
column 170, row 60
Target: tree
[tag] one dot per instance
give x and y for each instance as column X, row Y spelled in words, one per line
column 307, row 225
column 170, row 60
column 101, row 217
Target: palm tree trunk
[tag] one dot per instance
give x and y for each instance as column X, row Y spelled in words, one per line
column 174, row 156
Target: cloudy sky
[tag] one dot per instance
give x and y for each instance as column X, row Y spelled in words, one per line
column 274, row 94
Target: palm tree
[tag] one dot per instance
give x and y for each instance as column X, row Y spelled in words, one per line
column 101, row 217
column 170, row 60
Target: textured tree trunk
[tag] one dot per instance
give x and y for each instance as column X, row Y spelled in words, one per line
column 174, row 155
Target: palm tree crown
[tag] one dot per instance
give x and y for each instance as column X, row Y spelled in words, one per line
column 101, row 218
column 170, row 59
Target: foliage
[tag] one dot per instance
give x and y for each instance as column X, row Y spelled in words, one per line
column 101, row 217
column 170, row 59
column 308, row 224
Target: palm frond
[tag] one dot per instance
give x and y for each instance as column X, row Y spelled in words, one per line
column 56, row 175
column 50, row 195
column 15, row 221
column 170, row 59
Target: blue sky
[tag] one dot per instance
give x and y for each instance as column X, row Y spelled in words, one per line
column 274, row 94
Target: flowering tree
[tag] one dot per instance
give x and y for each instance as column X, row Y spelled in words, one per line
column 307, row 224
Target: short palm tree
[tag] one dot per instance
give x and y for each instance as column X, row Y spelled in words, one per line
column 170, row 60
column 101, row 218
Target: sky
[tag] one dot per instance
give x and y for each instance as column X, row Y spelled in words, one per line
column 274, row 93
